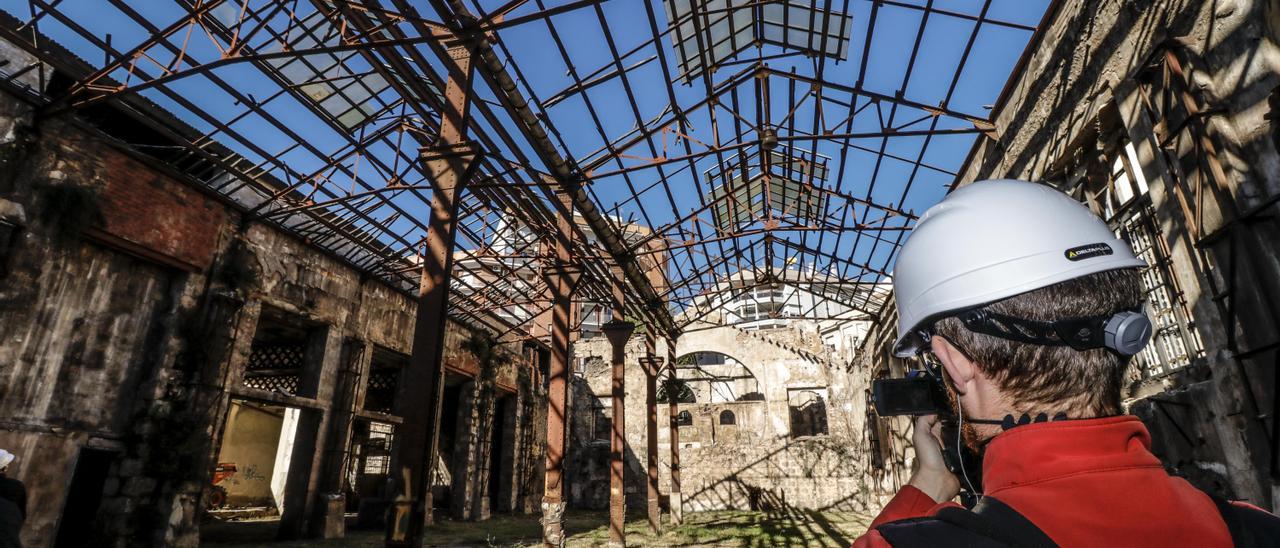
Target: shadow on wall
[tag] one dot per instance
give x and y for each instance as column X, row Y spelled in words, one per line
column 587, row 464
column 811, row 473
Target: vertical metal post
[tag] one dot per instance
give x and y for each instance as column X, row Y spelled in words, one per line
column 677, row 503
column 652, row 364
column 418, row 397
column 561, row 278
column 618, row 331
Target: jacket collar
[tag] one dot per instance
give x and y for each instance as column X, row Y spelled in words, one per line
column 1047, row 450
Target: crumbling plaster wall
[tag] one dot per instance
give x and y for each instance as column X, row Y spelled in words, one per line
column 128, row 305
column 753, row 464
column 89, row 332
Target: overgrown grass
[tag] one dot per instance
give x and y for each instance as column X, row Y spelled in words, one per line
column 789, row 528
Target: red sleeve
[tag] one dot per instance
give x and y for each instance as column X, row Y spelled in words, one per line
column 871, row 539
column 908, row 503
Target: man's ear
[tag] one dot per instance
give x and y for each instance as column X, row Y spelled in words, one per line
column 960, row 370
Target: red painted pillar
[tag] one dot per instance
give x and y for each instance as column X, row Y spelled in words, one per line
column 618, row 332
column 418, row 394
column 561, row 278
column 652, row 365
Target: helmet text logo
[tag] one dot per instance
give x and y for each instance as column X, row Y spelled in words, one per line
column 1088, row 251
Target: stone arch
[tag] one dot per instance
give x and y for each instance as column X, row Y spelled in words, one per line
column 730, row 341
column 715, row 377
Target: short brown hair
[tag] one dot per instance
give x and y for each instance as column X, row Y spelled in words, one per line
column 1055, row 378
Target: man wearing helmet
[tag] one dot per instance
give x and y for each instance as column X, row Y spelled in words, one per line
column 1031, row 307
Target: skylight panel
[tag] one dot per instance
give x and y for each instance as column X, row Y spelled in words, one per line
column 708, row 33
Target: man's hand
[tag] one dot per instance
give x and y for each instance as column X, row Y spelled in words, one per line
column 929, row 472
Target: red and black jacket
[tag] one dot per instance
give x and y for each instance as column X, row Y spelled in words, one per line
column 1081, row 483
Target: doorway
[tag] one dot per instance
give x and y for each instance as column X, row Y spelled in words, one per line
column 78, row 525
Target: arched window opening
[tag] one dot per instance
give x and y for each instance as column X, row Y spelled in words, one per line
column 727, row 418
column 684, row 419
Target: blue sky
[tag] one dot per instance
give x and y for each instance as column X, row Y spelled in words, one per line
column 303, row 144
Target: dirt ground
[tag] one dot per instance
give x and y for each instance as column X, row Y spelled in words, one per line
column 788, row 528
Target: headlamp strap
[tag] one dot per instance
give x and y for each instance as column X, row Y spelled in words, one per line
column 1078, row 333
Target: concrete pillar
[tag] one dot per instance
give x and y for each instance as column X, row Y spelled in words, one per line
column 463, row 464
column 673, row 406
column 481, row 505
column 533, row 451
column 418, row 395
column 228, row 329
column 348, row 398
column 618, row 332
column 512, row 429
column 652, row 365
column 301, row 492
column 561, row 279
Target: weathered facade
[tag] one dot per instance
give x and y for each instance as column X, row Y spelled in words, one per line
column 1162, row 117
column 139, row 311
column 195, row 319
column 776, row 421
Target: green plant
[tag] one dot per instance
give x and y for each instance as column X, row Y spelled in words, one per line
column 484, row 347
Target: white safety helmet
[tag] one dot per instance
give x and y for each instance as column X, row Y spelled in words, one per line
column 6, row 458
column 995, row 239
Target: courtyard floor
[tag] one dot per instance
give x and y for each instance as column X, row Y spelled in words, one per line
column 792, row 527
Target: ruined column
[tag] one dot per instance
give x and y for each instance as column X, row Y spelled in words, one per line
column 465, row 466
column 450, row 166
column 348, row 399
column 676, row 502
column 618, row 331
column 651, row 364
column 562, row 276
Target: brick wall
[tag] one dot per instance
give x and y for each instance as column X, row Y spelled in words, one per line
column 153, row 215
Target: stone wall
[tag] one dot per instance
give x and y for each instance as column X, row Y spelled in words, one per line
column 753, row 464
column 130, row 299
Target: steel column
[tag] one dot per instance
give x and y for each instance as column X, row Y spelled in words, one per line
column 618, row 331
column 652, row 364
column 676, row 502
column 561, row 279
column 419, row 393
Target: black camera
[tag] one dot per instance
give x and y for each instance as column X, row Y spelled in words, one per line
column 923, row 393
column 918, row 394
